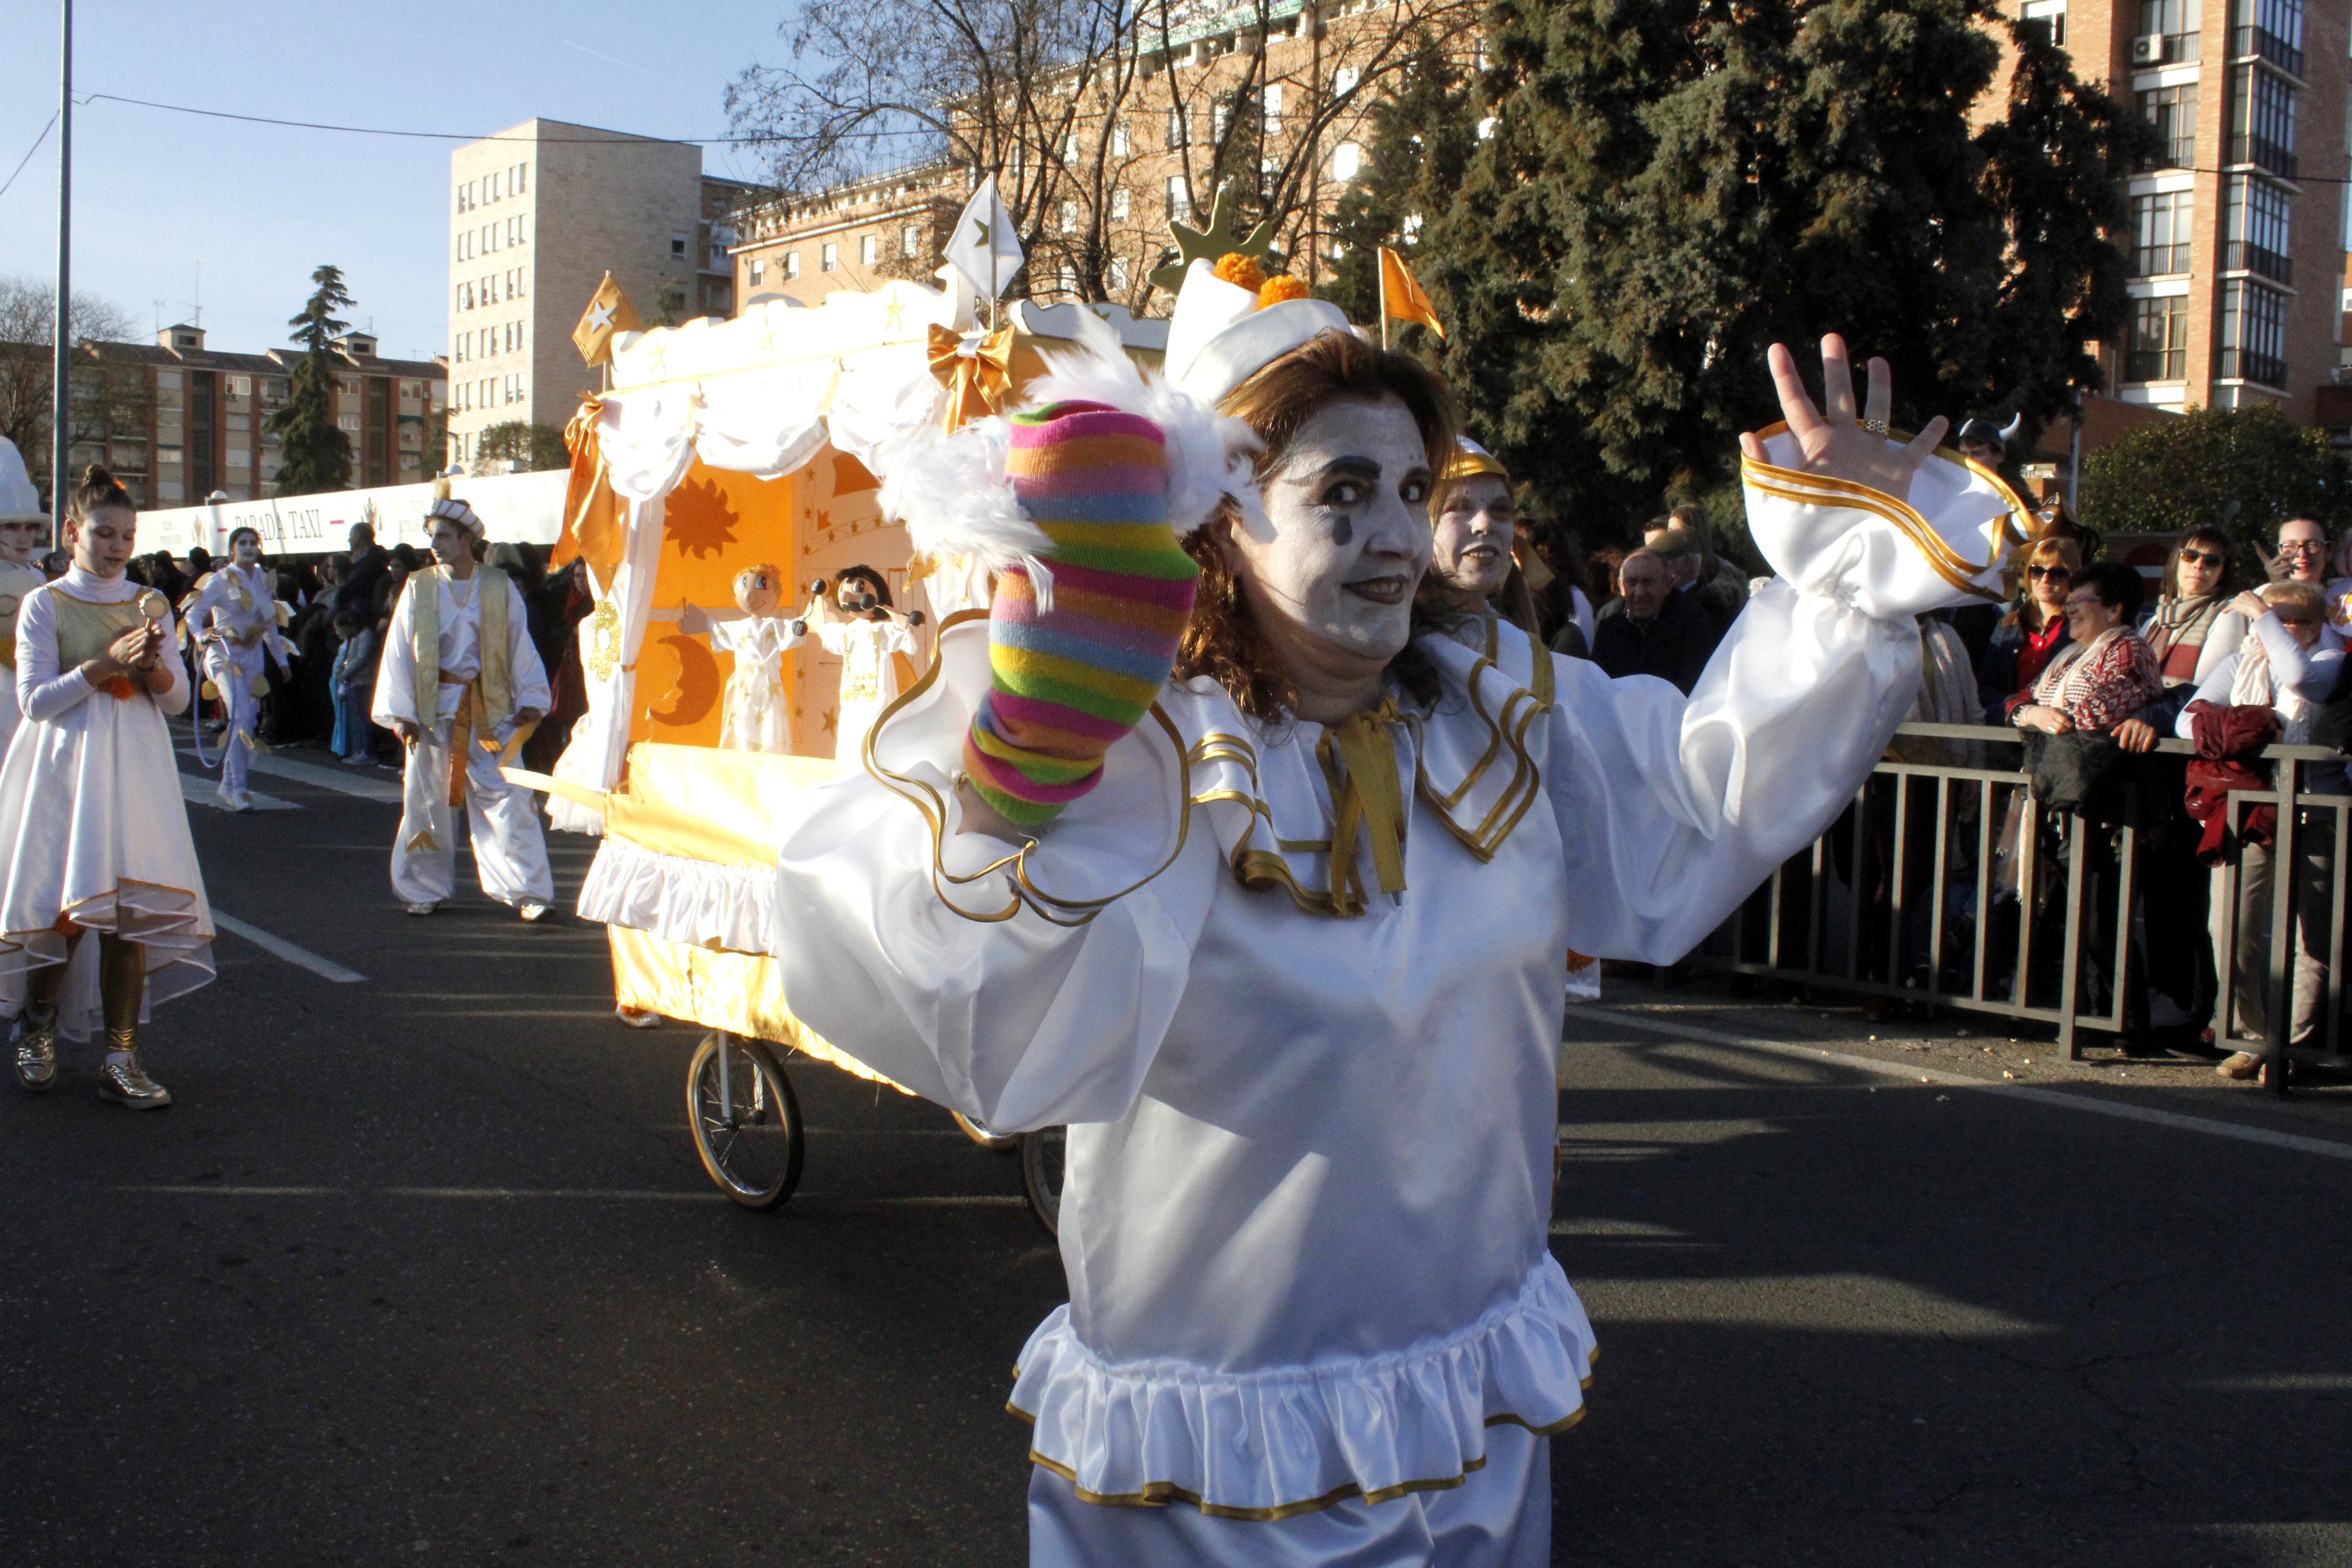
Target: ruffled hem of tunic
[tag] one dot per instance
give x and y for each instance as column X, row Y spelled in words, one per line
column 1268, row 1445
column 698, row 903
column 172, row 924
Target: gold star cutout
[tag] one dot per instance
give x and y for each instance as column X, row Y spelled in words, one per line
column 831, row 720
column 894, row 316
column 1212, row 242
column 658, row 357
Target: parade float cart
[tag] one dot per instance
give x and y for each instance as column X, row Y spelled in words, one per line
column 722, row 446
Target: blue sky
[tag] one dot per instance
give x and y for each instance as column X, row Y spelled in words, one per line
column 161, row 198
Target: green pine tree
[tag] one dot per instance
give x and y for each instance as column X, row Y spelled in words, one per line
column 1671, row 186
column 2245, row 469
column 1419, row 144
column 313, row 453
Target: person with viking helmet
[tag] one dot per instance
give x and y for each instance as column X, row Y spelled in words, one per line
column 24, row 530
column 461, row 684
column 1237, row 859
column 103, row 911
column 237, row 622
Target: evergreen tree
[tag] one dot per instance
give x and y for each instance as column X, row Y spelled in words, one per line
column 313, row 453
column 2184, row 470
column 1671, row 186
column 1419, row 143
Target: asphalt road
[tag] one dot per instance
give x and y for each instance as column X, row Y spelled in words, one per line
column 421, row 1269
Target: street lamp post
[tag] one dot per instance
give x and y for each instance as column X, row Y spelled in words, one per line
column 60, row 388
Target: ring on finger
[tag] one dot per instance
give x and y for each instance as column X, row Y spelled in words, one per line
column 1875, row 427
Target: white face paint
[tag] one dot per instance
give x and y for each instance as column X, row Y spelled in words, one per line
column 453, row 547
column 103, row 541
column 1473, row 533
column 1347, row 535
column 247, row 550
column 21, row 541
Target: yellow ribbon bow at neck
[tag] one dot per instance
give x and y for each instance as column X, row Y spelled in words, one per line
column 977, row 371
column 1368, row 795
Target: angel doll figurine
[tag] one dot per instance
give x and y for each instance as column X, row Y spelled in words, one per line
column 755, row 718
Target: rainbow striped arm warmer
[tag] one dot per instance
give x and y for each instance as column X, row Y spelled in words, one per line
column 1067, row 682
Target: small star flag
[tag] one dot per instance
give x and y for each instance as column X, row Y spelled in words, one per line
column 986, row 248
column 609, row 311
column 1401, row 296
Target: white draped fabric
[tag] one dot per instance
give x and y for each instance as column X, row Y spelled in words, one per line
column 761, row 422
column 599, row 740
column 1305, row 1221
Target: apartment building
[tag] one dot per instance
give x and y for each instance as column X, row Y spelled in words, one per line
column 1126, row 172
column 538, row 214
column 178, row 422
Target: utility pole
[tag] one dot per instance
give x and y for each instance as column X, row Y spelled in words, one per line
column 60, row 388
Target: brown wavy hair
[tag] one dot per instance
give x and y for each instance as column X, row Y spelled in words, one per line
column 1223, row 640
column 98, row 489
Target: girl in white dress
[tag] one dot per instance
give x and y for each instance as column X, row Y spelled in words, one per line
column 857, row 626
column 755, row 719
column 233, row 615
column 1289, row 964
column 23, row 529
column 103, row 913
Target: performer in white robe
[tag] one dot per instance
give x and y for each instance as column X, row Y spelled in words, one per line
column 233, row 615
column 103, row 911
column 857, row 626
column 23, row 529
column 755, row 718
column 1292, row 974
column 458, row 675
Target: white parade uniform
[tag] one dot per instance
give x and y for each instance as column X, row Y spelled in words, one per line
column 1306, row 1217
column 16, row 580
column 510, row 849
column 755, row 719
column 239, row 605
column 869, row 676
column 91, row 815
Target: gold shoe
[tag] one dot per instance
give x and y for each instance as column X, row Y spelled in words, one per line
column 37, row 1053
column 127, row 1084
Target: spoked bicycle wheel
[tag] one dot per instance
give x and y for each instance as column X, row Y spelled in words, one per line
column 746, row 1119
column 1041, row 1155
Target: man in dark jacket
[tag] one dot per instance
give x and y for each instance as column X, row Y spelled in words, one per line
column 1649, row 629
column 356, row 593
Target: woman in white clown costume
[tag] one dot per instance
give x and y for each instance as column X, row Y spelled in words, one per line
column 461, row 684
column 103, row 911
column 23, row 529
column 233, row 615
column 1277, row 921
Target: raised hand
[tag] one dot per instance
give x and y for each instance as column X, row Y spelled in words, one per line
column 1837, row 443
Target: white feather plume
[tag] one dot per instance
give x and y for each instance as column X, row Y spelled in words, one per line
column 1207, row 453
column 952, row 493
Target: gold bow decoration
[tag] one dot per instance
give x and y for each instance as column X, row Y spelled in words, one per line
column 979, row 377
column 1366, row 795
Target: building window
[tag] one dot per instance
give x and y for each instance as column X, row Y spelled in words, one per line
column 2159, row 340
column 1221, row 114
column 2256, row 239
column 791, row 264
column 2261, row 129
column 869, row 249
column 910, row 241
column 1180, row 206
column 522, row 178
column 1121, row 143
column 759, row 271
column 677, row 245
column 2173, row 111
column 1119, row 275
column 1347, row 158
column 828, row 258
column 1069, row 218
column 1121, row 205
column 2254, row 333
column 2052, row 13
column 1272, row 106
column 2160, row 233
column 1344, row 79
column 1175, row 126
column 2273, row 29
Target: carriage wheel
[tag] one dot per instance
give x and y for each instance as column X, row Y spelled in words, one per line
column 746, row 1119
column 995, row 1143
column 1041, row 1153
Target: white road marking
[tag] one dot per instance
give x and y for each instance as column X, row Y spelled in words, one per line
column 2097, row 1107
column 205, row 792
column 278, row 946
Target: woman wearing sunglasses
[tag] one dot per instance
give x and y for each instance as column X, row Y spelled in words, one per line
column 2194, row 627
column 2032, row 634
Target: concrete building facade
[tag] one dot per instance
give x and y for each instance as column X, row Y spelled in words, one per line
column 177, row 422
column 538, row 214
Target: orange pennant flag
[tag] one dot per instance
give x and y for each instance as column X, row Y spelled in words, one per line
column 609, row 312
column 1402, row 298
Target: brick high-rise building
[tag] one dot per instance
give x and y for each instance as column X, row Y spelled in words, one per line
column 540, row 213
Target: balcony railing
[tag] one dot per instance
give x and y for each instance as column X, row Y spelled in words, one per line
column 2246, row 364
column 2245, row 256
column 2262, row 153
column 2261, row 41
column 2156, row 364
column 2155, row 260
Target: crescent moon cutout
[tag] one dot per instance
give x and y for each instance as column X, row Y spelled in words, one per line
column 697, row 683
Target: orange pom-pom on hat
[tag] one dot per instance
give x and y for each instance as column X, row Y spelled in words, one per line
column 1243, row 271
column 1280, row 287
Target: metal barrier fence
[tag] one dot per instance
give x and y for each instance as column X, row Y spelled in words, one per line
column 1947, row 883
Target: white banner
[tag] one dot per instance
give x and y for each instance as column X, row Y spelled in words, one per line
column 520, row 508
